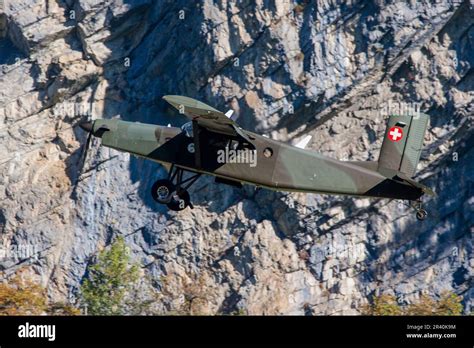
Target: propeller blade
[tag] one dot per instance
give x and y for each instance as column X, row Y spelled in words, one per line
column 88, row 127
column 85, row 148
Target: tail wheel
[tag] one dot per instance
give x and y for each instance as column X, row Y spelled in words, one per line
column 162, row 191
column 421, row 214
column 180, row 200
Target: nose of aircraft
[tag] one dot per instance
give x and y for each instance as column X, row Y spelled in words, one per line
column 87, row 126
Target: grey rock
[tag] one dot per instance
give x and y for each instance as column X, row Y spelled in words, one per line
column 322, row 69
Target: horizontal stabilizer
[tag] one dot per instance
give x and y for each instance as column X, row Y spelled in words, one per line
column 414, row 183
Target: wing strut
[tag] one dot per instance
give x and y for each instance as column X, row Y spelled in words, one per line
column 197, row 143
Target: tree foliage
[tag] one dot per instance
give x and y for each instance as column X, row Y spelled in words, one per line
column 384, row 305
column 109, row 281
column 424, row 306
column 22, row 296
column 448, row 304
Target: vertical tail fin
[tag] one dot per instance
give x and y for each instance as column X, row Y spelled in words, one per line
column 402, row 144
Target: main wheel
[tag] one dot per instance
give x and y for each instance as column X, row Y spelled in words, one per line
column 179, row 200
column 162, row 191
column 421, row 214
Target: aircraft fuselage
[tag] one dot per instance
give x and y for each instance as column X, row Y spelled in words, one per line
column 272, row 165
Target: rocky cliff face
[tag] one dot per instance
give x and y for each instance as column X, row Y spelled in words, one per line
column 332, row 69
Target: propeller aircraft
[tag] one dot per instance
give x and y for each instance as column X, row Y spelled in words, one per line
column 213, row 143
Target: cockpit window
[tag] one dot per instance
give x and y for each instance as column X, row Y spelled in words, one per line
column 188, row 129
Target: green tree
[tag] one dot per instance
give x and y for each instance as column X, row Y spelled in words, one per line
column 424, row 306
column 449, row 304
column 383, row 305
column 110, row 279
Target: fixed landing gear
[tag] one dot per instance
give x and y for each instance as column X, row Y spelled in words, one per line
column 173, row 191
column 421, row 214
column 161, row 191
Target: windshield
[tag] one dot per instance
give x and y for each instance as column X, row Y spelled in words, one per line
column 188, row 129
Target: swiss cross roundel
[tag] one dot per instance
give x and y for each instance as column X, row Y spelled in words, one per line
column 395, row 134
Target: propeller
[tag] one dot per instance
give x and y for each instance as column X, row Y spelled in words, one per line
column 88, row 127
column 93, row 131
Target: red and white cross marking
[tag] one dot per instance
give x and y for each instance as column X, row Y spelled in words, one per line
column 395, row 134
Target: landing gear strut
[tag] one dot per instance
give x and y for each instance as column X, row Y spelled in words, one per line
column 173, row 190
column 421, row 214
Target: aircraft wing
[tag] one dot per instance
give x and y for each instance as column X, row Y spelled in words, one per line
column 206, row 116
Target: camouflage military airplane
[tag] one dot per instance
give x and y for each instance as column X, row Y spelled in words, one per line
column 212, row 143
